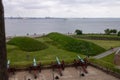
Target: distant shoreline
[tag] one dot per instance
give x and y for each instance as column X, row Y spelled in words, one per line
column 32, row 36
column 53, row 18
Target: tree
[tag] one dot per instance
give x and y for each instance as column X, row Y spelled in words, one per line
column 3, row 55
column 78, row 32
column 107, row 31
column 114, row 31
column 118, row 33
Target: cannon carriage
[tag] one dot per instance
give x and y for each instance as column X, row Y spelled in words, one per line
column 59, row 66
column 81, row 63
column 35, row 69
column 10, row 70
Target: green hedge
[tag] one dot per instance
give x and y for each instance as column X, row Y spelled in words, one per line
column 27, row 44
column 97, row 37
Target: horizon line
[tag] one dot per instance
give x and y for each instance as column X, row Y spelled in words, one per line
column 61, row 17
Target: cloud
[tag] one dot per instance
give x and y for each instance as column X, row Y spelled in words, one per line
column 88, row 1
column 62, row 8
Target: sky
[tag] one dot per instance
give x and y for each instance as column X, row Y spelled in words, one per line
column 62, row 8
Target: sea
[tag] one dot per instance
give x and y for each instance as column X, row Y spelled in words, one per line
column 31, row 26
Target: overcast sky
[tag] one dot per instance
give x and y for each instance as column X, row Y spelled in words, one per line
column 62, row 8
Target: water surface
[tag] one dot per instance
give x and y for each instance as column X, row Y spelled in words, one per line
column 40, row 26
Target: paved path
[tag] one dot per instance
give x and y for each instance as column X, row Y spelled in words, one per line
column 106, row 53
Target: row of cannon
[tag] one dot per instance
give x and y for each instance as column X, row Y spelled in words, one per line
column 57, row 65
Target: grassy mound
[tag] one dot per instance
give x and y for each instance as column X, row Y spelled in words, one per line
column 79, row 46
column 27, row 44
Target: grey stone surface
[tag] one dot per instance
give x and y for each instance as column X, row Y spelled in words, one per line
column 69, row 73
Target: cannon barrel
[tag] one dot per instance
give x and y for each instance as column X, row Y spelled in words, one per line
column 58, row 61
column 81, row 59
column 8, row 63
column 10, row 70
column 34, row 62
column 83, row 65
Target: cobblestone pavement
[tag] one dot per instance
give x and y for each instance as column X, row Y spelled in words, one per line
column 69, row 73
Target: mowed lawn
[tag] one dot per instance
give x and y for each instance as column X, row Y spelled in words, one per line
column 18, row 57
column 106, row 44
column 22, row 58
column 109, row 58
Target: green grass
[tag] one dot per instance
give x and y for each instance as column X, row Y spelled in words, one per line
column 19, row 58
column 74, row 45
column 106, row 44
column 105, row 65
column 107, row 62
column 27, row 44
column 102, row 63
column 58, row 45
column 109, row 58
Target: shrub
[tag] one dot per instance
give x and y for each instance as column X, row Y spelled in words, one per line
column 78, row 32
column 107, row 31
column 114, row 31
column 27, row 44
column 118, row 33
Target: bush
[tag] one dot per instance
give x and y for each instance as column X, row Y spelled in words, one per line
column 107, row 31
column 74, row 45
column 118, row 33
column 114, row 31
column 78, row 32
column 27, row 44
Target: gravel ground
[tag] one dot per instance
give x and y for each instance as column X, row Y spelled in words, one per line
column 69, row 73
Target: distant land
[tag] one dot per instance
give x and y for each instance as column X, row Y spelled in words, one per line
column 33, row 18
column 53, row 18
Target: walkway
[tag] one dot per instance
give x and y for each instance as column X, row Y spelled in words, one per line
column 106, row 53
